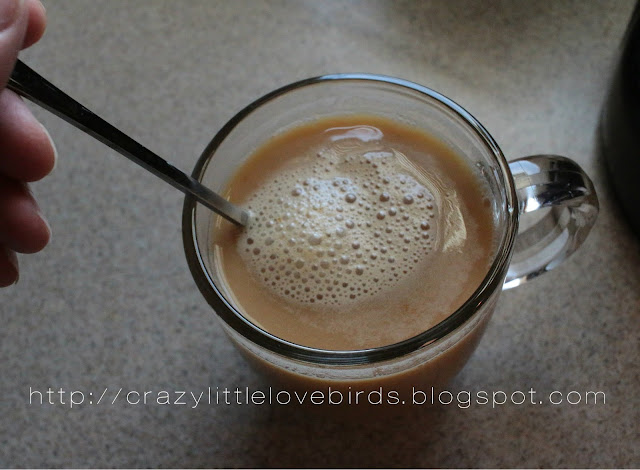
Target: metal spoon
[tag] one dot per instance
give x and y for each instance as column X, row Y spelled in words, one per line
column 29, row 84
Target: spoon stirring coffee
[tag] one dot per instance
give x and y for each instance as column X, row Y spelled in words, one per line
column 29, row 84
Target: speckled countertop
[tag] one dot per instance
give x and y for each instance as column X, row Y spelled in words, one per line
column 111, row 303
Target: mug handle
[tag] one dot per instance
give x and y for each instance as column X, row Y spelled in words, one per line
column 558, row 206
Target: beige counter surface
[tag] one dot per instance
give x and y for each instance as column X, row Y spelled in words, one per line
column 110, row 304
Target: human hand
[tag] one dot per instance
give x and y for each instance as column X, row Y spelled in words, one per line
column 26, row 151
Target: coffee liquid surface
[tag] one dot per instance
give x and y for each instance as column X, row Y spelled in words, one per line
column 365, row 232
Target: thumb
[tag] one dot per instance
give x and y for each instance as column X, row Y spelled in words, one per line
column 14, row 17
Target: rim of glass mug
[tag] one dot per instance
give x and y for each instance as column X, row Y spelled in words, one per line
column 493, row 280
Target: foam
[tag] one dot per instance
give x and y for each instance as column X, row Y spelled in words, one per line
column 350, row 221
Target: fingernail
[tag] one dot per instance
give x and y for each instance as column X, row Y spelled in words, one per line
column 8, row 12
column 46, row 223
column 53, row 146
column 44, row 220
column 13, row 260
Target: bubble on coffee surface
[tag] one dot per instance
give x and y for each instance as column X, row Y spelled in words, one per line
column 350, row 222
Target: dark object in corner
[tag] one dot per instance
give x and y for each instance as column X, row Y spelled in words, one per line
column 620, row 124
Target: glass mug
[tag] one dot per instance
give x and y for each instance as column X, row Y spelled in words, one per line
column 543, row 208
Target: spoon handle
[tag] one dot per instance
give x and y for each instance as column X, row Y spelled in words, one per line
column 31, row 85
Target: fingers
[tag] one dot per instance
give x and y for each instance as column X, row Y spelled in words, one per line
column 14, row 17
column 8, row 267
column 36, row 23
column 24, row 229
column 22, row 23
column 27, row 152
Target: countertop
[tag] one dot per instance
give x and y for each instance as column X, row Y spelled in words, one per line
column 110, row 303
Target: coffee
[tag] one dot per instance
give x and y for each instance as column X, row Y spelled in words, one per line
column 365, row 232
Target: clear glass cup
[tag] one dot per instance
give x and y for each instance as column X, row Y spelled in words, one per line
column 543, row 208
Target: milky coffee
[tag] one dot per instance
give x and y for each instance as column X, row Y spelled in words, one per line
column 364, row 232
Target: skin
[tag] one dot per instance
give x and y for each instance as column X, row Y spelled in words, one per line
column 27, row 153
